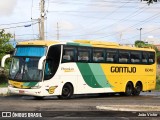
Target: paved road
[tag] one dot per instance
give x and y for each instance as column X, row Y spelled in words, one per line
column 85, row 105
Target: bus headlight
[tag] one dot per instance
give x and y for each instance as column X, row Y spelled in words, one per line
column 36, row 87
column 9, row 85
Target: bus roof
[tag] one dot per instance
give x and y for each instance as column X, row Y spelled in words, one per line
column 89, row 43
column 38, row 42
column 105, row 44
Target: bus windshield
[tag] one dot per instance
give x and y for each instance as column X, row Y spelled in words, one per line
column 24, row 66
column 25, row 69
column 33, row 51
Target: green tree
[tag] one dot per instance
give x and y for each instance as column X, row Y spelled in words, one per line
column 139, row 43
column 5, row 46
column 142, row 44
column 150, row 1
column 158, row 57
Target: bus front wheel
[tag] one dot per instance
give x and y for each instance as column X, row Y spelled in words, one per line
column 38, row 97
column 67, row 91
column 129, row 89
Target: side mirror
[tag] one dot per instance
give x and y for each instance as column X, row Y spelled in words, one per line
column 40, row 63
column 4, row 59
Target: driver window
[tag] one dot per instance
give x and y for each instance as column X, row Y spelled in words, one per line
column 52, row 61
column 48, row 69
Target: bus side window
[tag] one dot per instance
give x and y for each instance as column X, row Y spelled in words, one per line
column 123, row 56
column 83, row 54
column 144, row 57
column 111, row 56
column 68, row 54
column 98, row 55
column 135, row 57
column 151, row 57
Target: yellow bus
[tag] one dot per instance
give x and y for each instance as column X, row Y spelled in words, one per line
column 48, row 68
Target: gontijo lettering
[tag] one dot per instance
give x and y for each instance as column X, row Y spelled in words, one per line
column 116, row 69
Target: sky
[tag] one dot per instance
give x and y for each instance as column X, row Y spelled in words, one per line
column 103, row 20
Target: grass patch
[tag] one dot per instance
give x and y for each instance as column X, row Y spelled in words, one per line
column 158, row 83
column 3, row 85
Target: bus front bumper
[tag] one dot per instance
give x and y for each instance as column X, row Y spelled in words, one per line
column 30, row 92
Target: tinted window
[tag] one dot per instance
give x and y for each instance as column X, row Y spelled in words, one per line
column 144, row 57
column 123, row 56
column 111, row 55
column 151, row 57
column 34, row 51
column 68, row 54
column 135, row 57
column 83, row 54
column 52, row 61
column 98, row 55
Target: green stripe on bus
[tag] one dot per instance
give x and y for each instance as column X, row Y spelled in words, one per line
column 29, row 84
column 78, row 44
column 81, row 44
column 88, row 75
column 99, row 75
column 71, row 43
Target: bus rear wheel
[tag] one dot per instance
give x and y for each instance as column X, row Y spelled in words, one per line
column 137, row 89
column 129, row 89
column 67, row 91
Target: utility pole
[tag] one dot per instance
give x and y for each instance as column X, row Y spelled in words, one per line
column 42, row 5
column 140, row 29
column 57, row 31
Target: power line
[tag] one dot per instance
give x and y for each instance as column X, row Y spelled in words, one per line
column 106, row 27
column 26, row 34
column 19, row 26
column 133, row 14
column 144, row 33
column 16, row 23
column 146, row 20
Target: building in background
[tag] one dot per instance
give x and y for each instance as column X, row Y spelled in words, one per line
column 152, row 40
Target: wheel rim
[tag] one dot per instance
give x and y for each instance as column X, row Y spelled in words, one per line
column 66, row 91
column 129, row 89
column 138, row 89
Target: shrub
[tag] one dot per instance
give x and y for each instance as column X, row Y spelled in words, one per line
column 158, row 83
column 3, row 76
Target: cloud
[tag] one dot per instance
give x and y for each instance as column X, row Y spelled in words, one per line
column 7, row 7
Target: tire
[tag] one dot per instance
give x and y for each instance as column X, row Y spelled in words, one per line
column 121, row 93
column 137, row 89
column 102, row 94
column 38, row 97
column 67, row 92
column 129, row 89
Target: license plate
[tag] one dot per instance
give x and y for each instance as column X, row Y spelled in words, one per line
column 21, row 91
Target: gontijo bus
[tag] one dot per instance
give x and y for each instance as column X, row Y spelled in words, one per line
column 45, row 68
